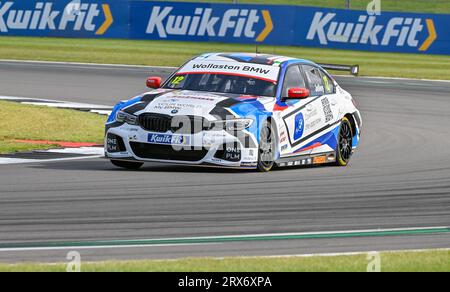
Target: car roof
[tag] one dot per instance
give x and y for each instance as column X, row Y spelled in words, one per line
column 254, row 58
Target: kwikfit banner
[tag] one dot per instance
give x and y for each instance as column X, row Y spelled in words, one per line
column 64, row 18
column 252, row 24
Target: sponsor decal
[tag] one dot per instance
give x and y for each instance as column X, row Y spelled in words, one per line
column 397, row 32
column 308, row 161
column 232, row 154
column 248, row 164
column 249, row 154
column 327, row 110
column 284, row 147
column 75, row 16
column 312, row 113
column 320, row 160
column 257, row 71
column 112, row 145
column 299, row 126
column 175, row 107
column 165, row 139
column 283, row 136
column 313, row 124
column 168, row 21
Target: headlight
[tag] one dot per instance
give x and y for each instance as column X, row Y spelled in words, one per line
column 124, row 117
column 232, row 125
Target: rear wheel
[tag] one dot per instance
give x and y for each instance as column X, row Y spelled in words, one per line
column 127, row 164
column 345, row 143
column 267, row 146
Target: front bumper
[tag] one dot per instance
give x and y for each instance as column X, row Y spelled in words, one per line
column 212, row 148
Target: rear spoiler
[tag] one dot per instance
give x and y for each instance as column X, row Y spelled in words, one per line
column 354, row 70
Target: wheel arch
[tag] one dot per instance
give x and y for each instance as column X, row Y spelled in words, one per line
column 273, row 122
column 352, row 121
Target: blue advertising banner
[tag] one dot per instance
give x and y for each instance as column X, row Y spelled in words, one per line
column 251, row 24
column 63, row 18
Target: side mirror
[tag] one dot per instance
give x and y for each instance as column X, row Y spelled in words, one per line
column 298, row 93
column 154, row 82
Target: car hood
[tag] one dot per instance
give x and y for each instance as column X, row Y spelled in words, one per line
column 197, row 103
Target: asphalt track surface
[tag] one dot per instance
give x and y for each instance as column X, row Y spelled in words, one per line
column 399, row 178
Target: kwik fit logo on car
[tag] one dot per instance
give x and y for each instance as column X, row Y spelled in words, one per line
column 24, row 17
column 166, row 139
column 171, row 21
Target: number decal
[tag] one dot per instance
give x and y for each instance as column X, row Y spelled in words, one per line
column 177, row 80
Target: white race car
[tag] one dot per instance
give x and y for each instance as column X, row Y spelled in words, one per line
column 237, row 110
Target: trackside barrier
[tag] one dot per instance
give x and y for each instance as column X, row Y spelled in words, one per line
column 228, row 23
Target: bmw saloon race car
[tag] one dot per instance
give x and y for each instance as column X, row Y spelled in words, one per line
column 237, row 110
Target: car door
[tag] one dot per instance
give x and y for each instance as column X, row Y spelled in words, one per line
column 325, row 109
column 304, row 116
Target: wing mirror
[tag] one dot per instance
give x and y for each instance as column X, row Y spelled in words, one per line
column 154, row 82
column 298, row 93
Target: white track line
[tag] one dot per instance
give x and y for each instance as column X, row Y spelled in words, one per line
column 109, row 244
column 81, row 150
column 299, row 233
column 334, row 254
column 80, row 64
column 6, row 161
column 93, row 108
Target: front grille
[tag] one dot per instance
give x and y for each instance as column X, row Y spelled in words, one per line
column 155, row 122
column 180, row 124
column 166, row 152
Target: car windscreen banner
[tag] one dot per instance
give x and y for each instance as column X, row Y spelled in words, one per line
column 229, row 23
column 257, row 71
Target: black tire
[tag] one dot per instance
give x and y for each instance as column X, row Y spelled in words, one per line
column 267, row 148
column 127, row 164
column 344, row 149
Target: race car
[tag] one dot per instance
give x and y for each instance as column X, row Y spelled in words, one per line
column 237, row 110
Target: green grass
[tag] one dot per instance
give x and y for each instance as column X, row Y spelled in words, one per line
column 165, row 53
column 422, row 6
column 429, row 261
column 26, row 122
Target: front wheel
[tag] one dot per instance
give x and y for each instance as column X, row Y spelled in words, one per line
column 267, row 148
column 345, row 143
column 127, row 164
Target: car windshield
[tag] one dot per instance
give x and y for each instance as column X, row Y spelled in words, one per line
column 222, row 83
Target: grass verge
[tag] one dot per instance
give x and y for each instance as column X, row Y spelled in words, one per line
column 408, row 261
column 42, row 123
column 167, row 53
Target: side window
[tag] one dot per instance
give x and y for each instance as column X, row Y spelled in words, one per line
column 315, row 81
column 293, row 79
column 328, row 83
